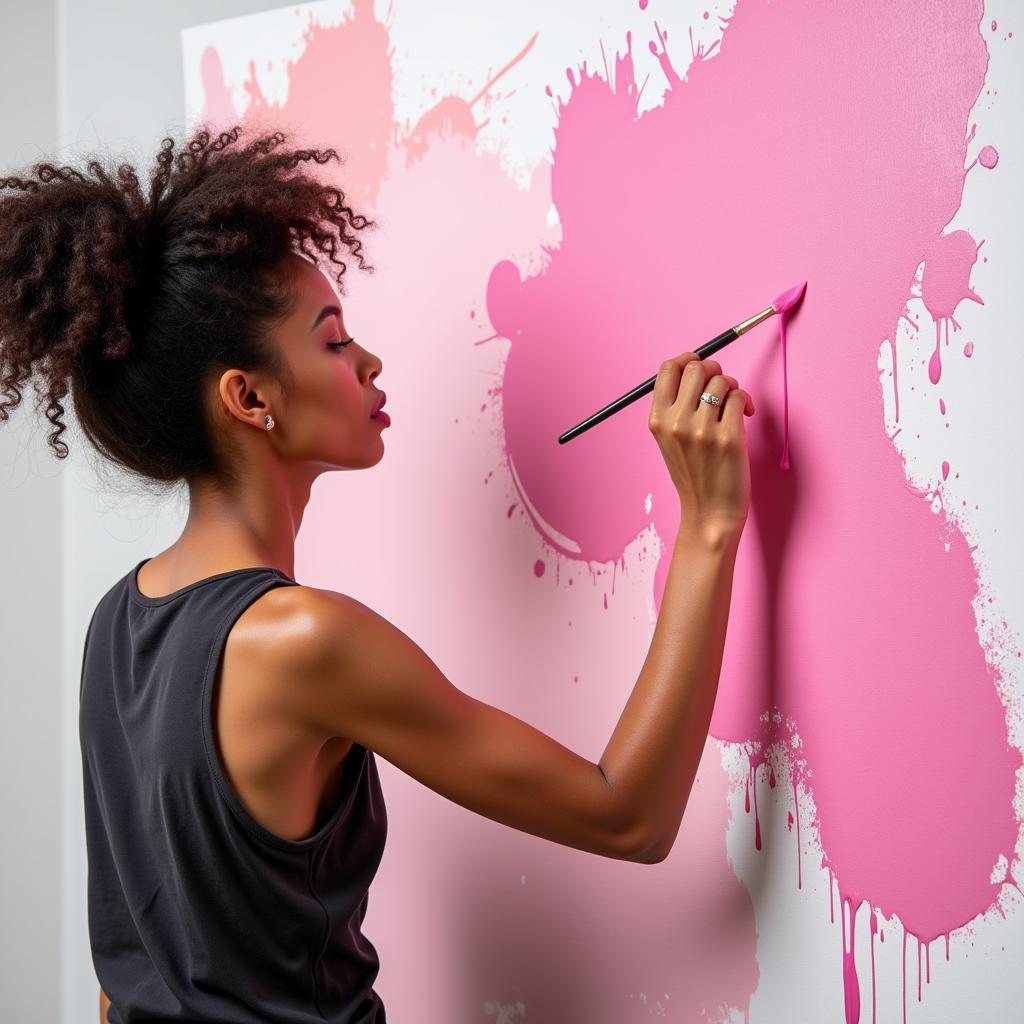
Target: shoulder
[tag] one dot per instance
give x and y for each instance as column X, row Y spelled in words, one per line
column 326, row 646
column 285, row 644
column 290, row 621
column 303, row 631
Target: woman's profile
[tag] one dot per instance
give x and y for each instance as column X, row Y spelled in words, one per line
column 229, row 716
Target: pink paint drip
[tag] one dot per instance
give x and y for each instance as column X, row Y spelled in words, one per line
column 783, row 304
column 851, row 989
column 796, row 808
column 784, row 461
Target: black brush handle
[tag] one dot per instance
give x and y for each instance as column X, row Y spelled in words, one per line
column 646, row 388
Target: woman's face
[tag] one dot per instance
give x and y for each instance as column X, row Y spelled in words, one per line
column 324, row 416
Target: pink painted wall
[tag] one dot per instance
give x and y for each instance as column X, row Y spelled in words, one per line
column 820, row 141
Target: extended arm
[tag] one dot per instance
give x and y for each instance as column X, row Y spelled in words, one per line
column 652, row 757
column 346, row 671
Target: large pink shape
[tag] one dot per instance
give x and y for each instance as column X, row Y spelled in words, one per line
column 825, row 142
column 795, row 153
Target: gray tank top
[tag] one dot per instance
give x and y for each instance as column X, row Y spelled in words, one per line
column 196, row 911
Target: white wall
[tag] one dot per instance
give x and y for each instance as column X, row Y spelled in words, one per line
column 75, row 76
column 31, row 621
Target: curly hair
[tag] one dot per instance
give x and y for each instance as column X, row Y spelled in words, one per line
column 139, row 299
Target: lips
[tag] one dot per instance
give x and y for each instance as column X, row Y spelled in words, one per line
column 380, row 405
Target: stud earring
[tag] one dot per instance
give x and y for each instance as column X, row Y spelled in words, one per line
column 268, row 421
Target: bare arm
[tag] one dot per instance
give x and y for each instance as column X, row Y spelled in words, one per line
column 351, row 673
column 651, row 759
column 104, row 1005
column 347, row 671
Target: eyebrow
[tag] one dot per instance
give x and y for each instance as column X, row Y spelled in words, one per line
column 323, row 314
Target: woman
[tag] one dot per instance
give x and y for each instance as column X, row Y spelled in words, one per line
column 229, row 716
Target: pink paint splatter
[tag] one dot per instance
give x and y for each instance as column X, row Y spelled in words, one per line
column 988, row 157
column 842, row 579
column 947, row 267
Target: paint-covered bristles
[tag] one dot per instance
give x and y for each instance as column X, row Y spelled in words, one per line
column 789, row 298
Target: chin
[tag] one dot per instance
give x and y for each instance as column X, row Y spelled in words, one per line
column 362, row 460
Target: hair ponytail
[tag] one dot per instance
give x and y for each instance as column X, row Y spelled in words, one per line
column 137, row 298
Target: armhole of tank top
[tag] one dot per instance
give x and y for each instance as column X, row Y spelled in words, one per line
column 213, row 759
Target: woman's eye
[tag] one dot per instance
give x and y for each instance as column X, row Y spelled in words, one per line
column 340, row 344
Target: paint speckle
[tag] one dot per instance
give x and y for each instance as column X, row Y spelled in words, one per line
column 988, row 157
column 944, row 284
column 538, row 568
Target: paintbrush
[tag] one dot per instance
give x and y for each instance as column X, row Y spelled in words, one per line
column 781, row 304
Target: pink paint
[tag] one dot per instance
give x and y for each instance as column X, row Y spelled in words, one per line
column 969, row 349
column 796, row 809
column 847, row 611
column 944, row 284
column 783, row 304
column 788, row 299
column 851, row 989
column 988, row 157
column 784, row 461
column 873, row 923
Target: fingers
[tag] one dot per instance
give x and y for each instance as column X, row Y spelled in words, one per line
column 666, row 386
column 719, row 386
column 736, row 403
column 683, row 379
column 695, row 380
column 722, row 386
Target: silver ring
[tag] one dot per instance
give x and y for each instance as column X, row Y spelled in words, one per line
column 710, row 398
